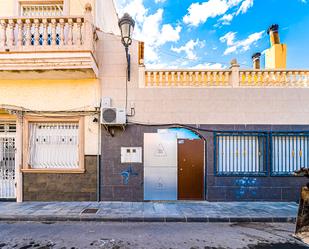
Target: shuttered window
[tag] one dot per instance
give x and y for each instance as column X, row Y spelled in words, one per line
column 290, row 152
column 53, row 145
column 37, row 10
column 240, row 154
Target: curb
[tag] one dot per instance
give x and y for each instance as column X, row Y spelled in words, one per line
column 89, row 218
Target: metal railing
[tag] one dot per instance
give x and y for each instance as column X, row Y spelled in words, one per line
column 290, row 152
column 240, row 154
column 54, row 146
column 7, row 162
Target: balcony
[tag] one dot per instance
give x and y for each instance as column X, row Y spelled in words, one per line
column 233, row 77
column 41, row 46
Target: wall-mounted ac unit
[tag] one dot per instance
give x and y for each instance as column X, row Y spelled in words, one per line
column 113, row 116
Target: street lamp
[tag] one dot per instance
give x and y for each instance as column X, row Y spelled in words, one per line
column 126, row 25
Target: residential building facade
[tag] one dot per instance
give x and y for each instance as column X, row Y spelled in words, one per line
column 49, row 100
column 73, row 128
column 216, row 135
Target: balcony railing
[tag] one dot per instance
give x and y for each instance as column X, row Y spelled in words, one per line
column 48, row 43
column 24, row 34
column 232, row 77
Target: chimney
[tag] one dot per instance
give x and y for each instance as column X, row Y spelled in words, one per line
column 276, row 55
column 256, row 59
column 273, row 32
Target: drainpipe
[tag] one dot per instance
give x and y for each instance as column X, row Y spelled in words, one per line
column 99, row 161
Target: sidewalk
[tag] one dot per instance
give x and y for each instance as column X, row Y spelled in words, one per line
column 150, row 211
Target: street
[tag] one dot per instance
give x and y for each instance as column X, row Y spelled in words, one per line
column 73, row 235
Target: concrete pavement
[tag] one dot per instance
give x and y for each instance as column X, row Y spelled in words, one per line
column 150, row 211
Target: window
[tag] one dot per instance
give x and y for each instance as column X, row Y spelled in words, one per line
column 42, row 9
column 290, row 152
column 54, row 145
column 240, row 154
column 7, row 127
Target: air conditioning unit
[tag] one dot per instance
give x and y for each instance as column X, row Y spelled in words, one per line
column 113, row 116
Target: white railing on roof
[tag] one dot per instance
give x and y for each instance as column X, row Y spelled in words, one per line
column 187, row 78
column 233, row 77
column 274, row 78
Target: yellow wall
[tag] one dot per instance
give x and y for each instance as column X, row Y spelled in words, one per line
column 50, row 94
column 55, row 95
column 4, row 116
column 275, row 57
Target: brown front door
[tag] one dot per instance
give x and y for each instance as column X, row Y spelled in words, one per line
column 190, row 169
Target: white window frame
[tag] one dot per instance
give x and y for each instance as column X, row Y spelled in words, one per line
column 27, row 167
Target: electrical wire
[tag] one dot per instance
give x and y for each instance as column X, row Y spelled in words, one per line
column 198, row 128
column 171, row 125
column 49, row 113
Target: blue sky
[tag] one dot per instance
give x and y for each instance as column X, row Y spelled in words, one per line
column 210, row 33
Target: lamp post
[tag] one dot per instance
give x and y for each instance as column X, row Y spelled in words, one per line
column 126, row 25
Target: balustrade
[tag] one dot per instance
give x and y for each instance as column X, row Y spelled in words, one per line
column 187, row 78
column 32, row 33
column 223, row 78
column 274, row 78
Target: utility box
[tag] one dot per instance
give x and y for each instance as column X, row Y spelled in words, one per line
column 160, row 167
column 131, row 155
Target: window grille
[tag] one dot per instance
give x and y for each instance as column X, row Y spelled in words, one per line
column 7, row 161
column 240, row 154
column 54, row 145
column 36, row 10
column 290, row 152
column 8, row 128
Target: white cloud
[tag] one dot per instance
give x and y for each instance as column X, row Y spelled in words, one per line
column 199, row 13
column 247, row 4
column 209, row 66
column 160, row 1
column 149, row 27
column 136, row 9
column 189, row 48
column 226, row 19
column 169, row 34
column 228, row 38
column 303, row 1
column 241, row 45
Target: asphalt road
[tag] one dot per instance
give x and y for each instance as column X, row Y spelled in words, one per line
column 69, row 235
